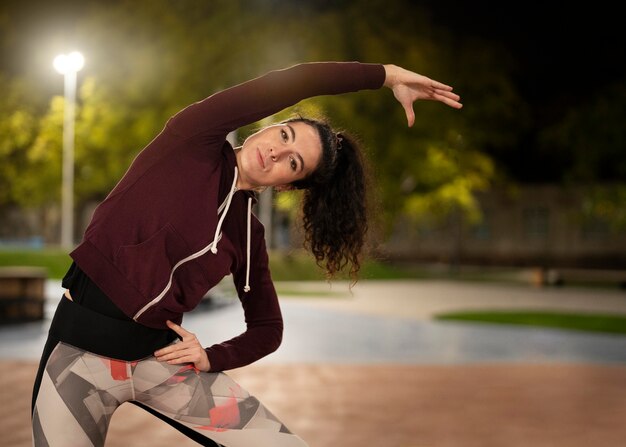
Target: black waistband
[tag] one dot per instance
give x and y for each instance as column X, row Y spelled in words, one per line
column 103, row 335
column 86, row 293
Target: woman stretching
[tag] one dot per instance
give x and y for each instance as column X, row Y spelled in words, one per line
column 178, row 222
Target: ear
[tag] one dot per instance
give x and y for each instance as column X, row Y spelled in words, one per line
column 281, row 188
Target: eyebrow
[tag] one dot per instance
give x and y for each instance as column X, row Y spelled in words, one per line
column 301, row 161
column 293, row 133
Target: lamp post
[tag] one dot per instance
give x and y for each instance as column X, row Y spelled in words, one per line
column 68, row 65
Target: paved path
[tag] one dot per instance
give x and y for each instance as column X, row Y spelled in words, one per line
column 385, row 322
column 504, row 405
column 372, row 369
column 425, row 298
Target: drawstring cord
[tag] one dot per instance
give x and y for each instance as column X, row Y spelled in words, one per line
column 212, row 247
column 246, row 288
column 233, row 188
column 224, row 210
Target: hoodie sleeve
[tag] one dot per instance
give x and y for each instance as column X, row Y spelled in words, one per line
column 258, row 98
column 264, row 323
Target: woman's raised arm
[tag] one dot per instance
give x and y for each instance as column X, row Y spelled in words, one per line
column 263, row 96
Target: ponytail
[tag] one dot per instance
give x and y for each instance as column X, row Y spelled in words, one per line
column 334, row 204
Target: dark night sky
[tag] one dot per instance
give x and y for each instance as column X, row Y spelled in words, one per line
column 565, row 54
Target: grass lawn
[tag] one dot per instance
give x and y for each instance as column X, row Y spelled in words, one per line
column 294, row 266
column 574, row 321
column 56, row 261
column 299, row 266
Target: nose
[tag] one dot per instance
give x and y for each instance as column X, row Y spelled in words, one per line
column 273, row 155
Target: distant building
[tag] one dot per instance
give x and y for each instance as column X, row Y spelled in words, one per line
column 539, row 226
column 532, row 226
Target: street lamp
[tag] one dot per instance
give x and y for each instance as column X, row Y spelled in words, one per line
column 68, row 65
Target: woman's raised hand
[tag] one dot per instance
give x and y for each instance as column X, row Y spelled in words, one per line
column 408, row 87
column 189, row 350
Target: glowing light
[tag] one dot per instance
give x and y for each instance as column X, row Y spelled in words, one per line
column 68, row 63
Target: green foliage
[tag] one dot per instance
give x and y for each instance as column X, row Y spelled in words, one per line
column 495, row 115
column 294, row 265
column 590, row 139
column 447, row 182
column 108, row 136
column 149, row 58
column 604, row 205
column 18, row 131
column 39, row 182
column 581, row 322
column 55, row 261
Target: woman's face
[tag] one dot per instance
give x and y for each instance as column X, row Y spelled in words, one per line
column 278, row 155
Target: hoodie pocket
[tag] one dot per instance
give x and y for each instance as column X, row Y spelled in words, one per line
column 148, row 265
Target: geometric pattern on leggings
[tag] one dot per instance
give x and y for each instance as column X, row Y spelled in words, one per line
column 80, row 391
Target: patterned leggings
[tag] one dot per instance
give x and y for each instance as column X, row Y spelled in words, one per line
column 78, row 391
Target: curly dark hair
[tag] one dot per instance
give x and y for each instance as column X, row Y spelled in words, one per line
column 334, row 204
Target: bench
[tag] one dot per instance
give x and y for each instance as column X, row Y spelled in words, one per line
column 560, row 276
column 22, row 291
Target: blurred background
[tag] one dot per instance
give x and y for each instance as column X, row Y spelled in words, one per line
column 531, row 172
column 477, row 213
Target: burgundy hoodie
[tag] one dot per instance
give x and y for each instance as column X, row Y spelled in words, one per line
column 175, row 225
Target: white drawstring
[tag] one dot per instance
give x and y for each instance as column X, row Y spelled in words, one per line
column 212, row 247
column 233, row 188
column 224, row 210
column 246, row 288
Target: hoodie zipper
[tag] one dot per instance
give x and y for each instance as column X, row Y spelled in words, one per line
column 160, row 296
column 223, row 208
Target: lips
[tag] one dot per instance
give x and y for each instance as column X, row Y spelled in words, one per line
column 260, row 158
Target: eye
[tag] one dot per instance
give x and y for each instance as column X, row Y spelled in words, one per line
column 293, row 163
column 284, row 135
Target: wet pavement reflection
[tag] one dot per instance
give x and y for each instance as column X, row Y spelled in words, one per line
column 316, row 333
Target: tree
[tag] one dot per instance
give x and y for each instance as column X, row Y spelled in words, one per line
column 589, row 141
column 436, row 167
column 147, row 59
column 18, row 131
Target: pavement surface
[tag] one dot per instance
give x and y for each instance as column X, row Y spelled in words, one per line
column 370, row 367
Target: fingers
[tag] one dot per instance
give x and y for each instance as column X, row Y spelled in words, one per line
column 189, row 350
column 188, row 340
column 440, row 85
column 448, row 94
column 179, row 329
column 448, row 99
column 445, row 96
column 161, row 354
column 184, row 359
column 185, row 352
column 178, row 355
column 442, row 92
column 410, row 113
column 171, row 355
column 178, row 350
